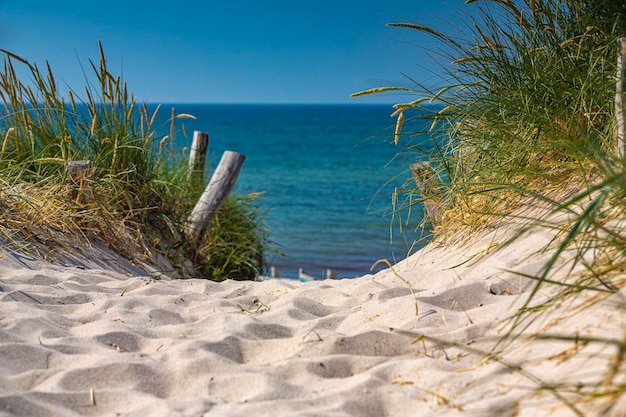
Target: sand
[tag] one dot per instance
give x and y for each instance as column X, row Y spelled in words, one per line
column 93, row 335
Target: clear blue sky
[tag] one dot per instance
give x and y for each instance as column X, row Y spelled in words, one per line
column 228, row 51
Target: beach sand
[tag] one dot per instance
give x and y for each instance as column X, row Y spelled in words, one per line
column 93, row 335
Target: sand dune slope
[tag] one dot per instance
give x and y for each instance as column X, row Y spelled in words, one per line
column 93, row 342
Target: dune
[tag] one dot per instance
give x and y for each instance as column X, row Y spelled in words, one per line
column 89, row 334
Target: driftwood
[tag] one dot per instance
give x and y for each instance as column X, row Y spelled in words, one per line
column 428, row 184
column 214, row 195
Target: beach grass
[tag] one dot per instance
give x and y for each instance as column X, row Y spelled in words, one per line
column 523, row 127
column 134, row 197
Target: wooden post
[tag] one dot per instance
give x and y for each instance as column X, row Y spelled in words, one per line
column 426, row 179
column 464, row 163
column 275, row 272
column 330, row 274
column 197, row 155
column 78, row 188
column 619, row 96
column 221, row 183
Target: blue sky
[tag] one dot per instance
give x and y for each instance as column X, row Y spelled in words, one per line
column 229, row 51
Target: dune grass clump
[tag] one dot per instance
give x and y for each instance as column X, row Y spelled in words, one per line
column 526, row 101
column 234, row 241
column 134, row 195
column 522, row 128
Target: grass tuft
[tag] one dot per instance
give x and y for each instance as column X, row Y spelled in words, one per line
column 523, row 130
column 135, row 197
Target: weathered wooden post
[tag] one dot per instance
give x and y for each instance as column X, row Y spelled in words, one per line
column 426, row 179
column 221, row 183
column 197, row 156
column 619, row 96
column 330, row 274
column 275, row 272
column 78, row 188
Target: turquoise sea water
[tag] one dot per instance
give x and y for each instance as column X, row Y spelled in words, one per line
column 327, row 173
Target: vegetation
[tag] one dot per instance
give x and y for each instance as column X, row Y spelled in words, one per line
column 135, row 198
column 524, row 116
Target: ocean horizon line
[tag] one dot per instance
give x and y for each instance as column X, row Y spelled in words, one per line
column 210, row 103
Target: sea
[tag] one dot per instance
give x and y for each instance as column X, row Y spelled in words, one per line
column 326, row 176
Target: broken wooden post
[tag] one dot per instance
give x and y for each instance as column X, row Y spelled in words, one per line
column 426, row 179
column 78, row 188
column 197, row 156
column 221, row 183
column 619, row 96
